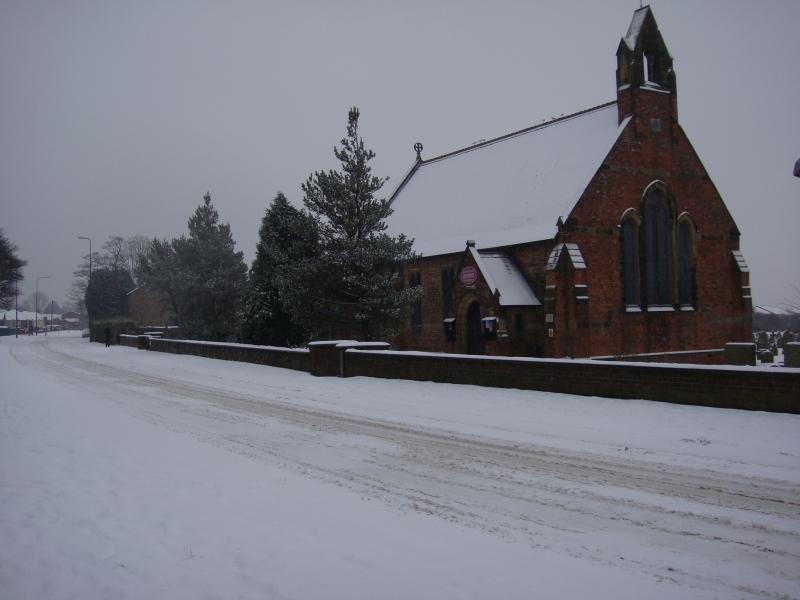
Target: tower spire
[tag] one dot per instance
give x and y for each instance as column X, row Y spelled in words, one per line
column 643, row 62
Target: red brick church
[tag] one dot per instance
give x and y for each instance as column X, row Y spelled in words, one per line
column 599, row 233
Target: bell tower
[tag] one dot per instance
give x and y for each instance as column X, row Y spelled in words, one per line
column 645, row 77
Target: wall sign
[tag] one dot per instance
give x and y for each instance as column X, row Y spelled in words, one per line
column 468, row 275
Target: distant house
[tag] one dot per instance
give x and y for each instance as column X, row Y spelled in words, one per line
column 24, row 319
column 149, row 307
column 598, row 233
column 71, row 320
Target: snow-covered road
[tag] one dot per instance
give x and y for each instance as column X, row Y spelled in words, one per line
column 127, row 474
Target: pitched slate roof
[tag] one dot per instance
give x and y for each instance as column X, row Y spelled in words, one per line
column 508, row 190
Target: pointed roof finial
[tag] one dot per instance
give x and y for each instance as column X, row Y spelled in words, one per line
column 418, row 150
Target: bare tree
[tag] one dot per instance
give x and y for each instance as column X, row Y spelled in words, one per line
column 113, row 255
column 30, row 302
column 136, row 247
column 117, row 254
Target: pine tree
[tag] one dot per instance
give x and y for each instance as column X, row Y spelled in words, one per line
column 354, row 281
column 202, row 274
column 210, row 279
column 287, row 239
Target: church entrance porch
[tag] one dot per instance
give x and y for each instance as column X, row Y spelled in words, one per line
column 475, row 341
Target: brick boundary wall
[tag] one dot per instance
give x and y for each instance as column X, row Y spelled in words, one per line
column 791, row 354
column 298, row 359
column 326, row 360
column 132, row 341
column 770, row 389
column 747, row 388
column 142, row 342
column 97, row 330
column 327, row 357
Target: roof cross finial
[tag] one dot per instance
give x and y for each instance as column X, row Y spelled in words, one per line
column 418, row 150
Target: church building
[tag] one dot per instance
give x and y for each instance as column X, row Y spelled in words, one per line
column 596, row 234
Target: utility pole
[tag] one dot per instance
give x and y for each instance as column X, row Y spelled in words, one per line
column 16, row 309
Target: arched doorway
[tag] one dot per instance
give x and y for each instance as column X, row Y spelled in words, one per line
column 474, row 329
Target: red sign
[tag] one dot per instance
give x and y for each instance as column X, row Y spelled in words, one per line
column 469, row 275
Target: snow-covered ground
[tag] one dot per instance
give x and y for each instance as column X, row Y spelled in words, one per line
column 132, row 474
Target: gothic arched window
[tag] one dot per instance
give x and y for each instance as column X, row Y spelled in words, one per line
column 629, row 230
column 657, row 232
column 686, row 268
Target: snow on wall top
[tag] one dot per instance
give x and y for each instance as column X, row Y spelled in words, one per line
column 503, row 276
column 740, row 261
column 509, row 190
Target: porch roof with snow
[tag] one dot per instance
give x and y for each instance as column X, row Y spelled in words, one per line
column 504, row 278
column 505, row 191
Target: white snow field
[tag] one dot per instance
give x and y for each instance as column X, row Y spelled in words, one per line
column 134, row 474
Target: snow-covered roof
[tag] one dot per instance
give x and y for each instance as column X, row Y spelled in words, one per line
column 508, row 190
column 503, row 276
column 574, row 255
column 635, row 28
column 26, row 315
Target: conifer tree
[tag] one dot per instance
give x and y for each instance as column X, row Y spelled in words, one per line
column 354, row 283
column 288, row 239
column 10, row 271
column 202, row 274
column 107, row 294
column 211, row 276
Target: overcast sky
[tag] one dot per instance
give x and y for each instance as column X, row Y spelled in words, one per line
column 116, row 117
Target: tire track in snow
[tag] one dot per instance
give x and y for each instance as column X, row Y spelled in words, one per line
column 550, row 497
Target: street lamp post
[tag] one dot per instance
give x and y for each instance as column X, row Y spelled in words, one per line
column 16, row 309
column 80, row 237
column 36, row 301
